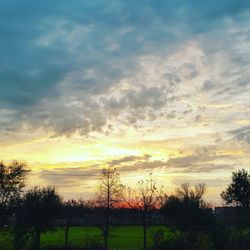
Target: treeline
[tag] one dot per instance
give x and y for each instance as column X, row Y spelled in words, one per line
column 193, row 222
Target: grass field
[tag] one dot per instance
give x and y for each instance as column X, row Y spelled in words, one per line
column 120, row 237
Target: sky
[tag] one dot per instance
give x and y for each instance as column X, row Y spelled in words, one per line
column 152, row 85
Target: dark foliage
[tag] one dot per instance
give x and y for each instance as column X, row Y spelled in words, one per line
column 23, row 238
column 182, row 241
column 38, row 210
column 12, row 182
column 187, row 211
column 238, row 192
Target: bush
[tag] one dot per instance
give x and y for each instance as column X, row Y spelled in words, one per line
column 22, row 238
column 183, row 241
column 158, row 237
column 5, row 240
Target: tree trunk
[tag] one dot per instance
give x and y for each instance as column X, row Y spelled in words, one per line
column 190, row 235
column 144, row 231
column 240, row 239
column 106, row 232
column 106, row 229
column 66, row 237
column 37, row 239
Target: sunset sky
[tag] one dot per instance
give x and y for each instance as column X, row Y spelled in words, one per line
column 160, row 85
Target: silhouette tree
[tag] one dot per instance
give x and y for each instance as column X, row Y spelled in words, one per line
column 238, row 192
column 12, row 182
column 110, row 190
column 196, row 194
column 69, row 210
column 187, row 211
column 144, row 199
column 39, row 209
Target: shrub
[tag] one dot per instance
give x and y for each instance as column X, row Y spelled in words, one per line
column 183, row 241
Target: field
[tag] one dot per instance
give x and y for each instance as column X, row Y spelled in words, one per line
column 121, row 237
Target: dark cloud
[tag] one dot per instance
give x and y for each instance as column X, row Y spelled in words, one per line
column 69, row 177
column 143, row 165
column 242, row 134
column 126, row 159
column 204, row 159
column 207, row 85
column 182, row 162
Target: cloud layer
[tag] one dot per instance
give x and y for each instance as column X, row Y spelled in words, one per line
column 79, row 67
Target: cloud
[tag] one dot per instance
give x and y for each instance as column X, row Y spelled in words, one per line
column 143, row 166
column 127, row 159
column 203, row 160
column 242, row 134
column 79, row 67
column 207, row 85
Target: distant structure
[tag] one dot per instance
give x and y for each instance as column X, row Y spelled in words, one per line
column 222, row 213
column 233, row 215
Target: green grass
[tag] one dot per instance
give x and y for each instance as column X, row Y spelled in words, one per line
column 125, row 237
column 120, row 237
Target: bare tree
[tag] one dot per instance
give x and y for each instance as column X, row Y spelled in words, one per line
column 186, row 192
column 145, row 198
column 110, row 190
